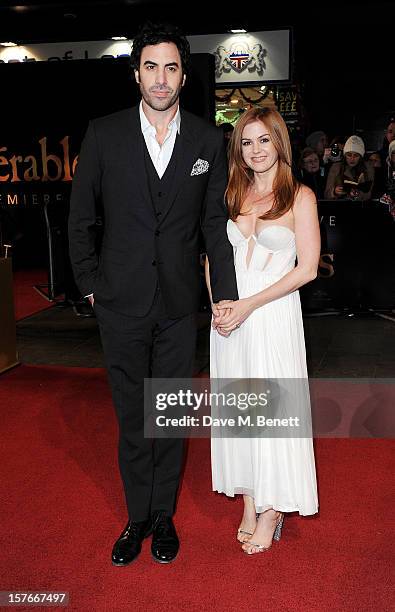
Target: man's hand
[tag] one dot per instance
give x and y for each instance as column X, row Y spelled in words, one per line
column 91, row 299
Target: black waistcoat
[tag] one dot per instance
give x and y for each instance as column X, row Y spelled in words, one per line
column 160, row 187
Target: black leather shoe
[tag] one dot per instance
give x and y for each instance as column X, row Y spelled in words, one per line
column 165, row 542
column 128, row 546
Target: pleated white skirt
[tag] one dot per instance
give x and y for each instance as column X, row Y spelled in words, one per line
column 278, row 473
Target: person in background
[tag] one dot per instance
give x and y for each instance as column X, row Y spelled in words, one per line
column 389, row 136
column 379, row 181
column 310, row 172
column 391, row 165
column 389, row 196
column 318, row 141
column 375, row 159
column 227, row 129
column 352, row 178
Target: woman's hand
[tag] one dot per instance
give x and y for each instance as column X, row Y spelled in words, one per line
column 219, row 315
column 239, row 312
column 339, row 191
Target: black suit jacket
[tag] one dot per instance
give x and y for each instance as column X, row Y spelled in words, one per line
column 137, row 248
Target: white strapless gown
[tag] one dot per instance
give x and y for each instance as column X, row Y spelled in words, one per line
column 278, row 473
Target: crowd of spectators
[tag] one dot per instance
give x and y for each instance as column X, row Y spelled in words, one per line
column 342, row 169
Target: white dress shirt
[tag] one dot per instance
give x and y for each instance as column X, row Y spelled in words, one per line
column 160, row 155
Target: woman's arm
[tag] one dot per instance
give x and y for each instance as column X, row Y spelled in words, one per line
column 308, row 244
column 334, row 185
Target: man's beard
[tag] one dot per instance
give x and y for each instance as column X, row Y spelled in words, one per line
column 160, row 104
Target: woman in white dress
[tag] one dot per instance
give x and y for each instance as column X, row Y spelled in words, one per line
column 273, row 220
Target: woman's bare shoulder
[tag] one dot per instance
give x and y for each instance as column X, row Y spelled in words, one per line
column 304, row 196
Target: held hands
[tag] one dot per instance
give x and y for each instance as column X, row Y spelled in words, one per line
column 231, row 315
column 219, row 315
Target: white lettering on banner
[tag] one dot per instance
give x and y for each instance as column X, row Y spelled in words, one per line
column 330, row 219
column 65, row 51
column 29, row 200
column 253, row 57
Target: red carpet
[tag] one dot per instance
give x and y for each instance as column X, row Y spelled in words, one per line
column 27, row 300
column 63, row 507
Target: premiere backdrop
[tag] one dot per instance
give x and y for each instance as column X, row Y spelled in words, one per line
column 45, row 110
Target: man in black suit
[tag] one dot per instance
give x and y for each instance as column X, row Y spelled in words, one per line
column 160, row 174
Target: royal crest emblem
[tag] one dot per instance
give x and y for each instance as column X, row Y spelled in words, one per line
column 240, row 57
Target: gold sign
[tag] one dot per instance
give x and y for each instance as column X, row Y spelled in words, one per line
column 44, row 167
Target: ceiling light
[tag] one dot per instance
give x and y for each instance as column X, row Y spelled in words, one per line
column 118, row 38
column 241, row 31
column 8, row 44
column 234, row 101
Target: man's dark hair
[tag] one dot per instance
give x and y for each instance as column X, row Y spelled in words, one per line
column 156, row 33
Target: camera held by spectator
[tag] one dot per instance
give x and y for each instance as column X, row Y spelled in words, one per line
column 336, row 153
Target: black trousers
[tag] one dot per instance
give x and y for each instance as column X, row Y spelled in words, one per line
column 136, row 348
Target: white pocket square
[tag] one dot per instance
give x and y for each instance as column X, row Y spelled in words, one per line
column 200, row 167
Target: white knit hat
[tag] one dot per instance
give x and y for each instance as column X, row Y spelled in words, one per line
column 354, row 144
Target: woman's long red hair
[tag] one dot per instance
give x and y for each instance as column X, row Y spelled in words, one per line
column 285, row 185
